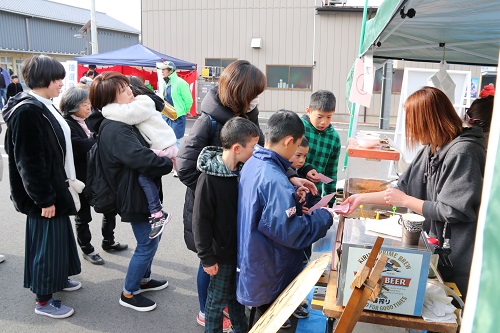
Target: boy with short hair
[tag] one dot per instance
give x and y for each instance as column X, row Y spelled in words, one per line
column 214, row 219
column 324, row 141
column 14, row 87
column 271, row 231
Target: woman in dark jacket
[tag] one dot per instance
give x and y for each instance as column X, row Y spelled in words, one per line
column 75, row 106
column 124, row 154
column 240, row 85
column 39, row 146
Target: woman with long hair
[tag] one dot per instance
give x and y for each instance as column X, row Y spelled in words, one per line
column 444, row 181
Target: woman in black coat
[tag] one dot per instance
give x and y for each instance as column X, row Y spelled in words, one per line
column 124, row 154
column 76, row 108
column 40, row 166
column 240, row 85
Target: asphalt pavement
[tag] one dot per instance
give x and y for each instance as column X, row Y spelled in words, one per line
column 96, row 303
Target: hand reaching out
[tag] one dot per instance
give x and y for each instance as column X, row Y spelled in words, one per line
column 313, row 176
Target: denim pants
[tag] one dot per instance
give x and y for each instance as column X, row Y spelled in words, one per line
column 202, row 282
column 152, row 194
column 179, row 127
column 3, row 100
column 139, row 269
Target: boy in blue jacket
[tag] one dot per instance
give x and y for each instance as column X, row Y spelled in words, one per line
column 272, row 231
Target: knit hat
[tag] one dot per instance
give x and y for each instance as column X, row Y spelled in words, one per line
column 488, row 90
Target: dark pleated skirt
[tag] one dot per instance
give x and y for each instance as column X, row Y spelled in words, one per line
column 51, row 254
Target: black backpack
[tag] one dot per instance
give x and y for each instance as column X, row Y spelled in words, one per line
column 97, row 190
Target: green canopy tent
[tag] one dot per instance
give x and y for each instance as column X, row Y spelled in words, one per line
column 460, row 32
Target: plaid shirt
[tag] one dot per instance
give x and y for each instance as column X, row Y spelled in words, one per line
column 324, row 151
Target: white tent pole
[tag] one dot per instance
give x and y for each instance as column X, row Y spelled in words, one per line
column 93, row 28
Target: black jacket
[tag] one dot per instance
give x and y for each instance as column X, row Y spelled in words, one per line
column 199, row 137
column 215, row 210
column 124, row 154
column 36, row 147
column 81, row 145
column 13, row 89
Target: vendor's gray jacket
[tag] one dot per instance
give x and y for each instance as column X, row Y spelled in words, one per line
column 450, row 182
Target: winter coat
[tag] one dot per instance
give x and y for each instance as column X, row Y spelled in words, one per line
column 450, row 182
column 214, row 210
column 36, row 147
column 81, row 145
column 124, row 154
column 181, row 94
column 142, row 114
column 271, row 229
column 13, row 89
column 199, row 137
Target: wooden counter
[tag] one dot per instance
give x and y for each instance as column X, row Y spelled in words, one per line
column 380, row 318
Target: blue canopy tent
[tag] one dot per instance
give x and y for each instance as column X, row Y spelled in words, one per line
column 135, row 55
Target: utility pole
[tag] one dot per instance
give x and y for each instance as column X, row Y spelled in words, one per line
column 93, row 28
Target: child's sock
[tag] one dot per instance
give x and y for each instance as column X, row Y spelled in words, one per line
column 45, row 303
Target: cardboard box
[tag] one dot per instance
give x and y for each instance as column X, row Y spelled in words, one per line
column 404, row 279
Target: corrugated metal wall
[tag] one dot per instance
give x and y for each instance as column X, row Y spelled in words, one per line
column 195, row 30
column 54, row 37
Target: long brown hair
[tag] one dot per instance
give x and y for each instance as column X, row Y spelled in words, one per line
column 431, row 119
column 240, row 82
column 105, row 87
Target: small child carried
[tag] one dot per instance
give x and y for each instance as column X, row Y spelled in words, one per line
column 143, row 114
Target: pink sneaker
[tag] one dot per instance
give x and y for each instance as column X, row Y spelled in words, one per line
column 226, row 323
column 226, row 312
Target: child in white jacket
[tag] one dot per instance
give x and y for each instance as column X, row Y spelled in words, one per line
column 142, row 114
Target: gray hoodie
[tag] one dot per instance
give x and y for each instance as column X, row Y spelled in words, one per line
column 450, row 182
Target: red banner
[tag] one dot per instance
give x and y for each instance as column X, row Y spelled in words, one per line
column 151, row 76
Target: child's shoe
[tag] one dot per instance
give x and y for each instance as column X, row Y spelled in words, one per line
column 226, row 323
column 158, row 224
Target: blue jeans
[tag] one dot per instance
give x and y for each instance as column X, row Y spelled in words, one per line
column 179, row 127
column 139, row 268
column 202, row 282
column 152, row 194
column 3, row 100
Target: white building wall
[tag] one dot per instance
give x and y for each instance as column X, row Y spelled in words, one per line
column 196, row 30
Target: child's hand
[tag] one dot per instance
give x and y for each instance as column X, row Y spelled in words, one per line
column 305, row 210
column 304, row 182
column 212, row 270
column 302, row 193
column 313, row 176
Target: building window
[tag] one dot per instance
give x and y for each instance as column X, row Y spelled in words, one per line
column 219, row 62
column 397, row 81
column 289, row 77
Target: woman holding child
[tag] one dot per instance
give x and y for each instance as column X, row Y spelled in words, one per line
column 125, row 154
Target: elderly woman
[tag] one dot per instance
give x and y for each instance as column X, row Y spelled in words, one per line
column 38, row 142
column 445, row 179
column 75, row 106
column 124, row 154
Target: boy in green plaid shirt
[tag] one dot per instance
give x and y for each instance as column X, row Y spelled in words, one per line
column 324, row 141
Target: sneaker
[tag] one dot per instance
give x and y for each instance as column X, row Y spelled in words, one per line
column 226, row 312
column 301, row 312
column 113, row 247
column 137, row 302
column 287, row 324
column 226, row 323
column 2, row 257
column 158, row 224
column 154, row 285
column 72, row 285
column 54, row 309
column 93, row 258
